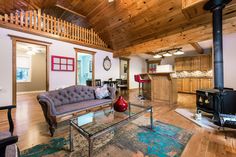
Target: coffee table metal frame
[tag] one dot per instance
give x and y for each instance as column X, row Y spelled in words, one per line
column 123, row 122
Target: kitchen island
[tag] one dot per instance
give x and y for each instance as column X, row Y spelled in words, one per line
column 162, row 88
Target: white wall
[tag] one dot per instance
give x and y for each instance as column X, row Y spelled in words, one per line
column 137, row 66
column 229, row 47
column 56, row 79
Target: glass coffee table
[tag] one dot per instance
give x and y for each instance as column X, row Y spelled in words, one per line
column 104, row 120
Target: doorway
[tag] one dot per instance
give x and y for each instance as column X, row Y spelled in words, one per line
column 30, row 68
column 84, row 67
column 30, row 71
column 124, row 71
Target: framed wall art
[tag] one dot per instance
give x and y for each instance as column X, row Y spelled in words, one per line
column 61, row 63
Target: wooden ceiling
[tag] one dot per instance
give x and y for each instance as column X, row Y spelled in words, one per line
column 129, row 26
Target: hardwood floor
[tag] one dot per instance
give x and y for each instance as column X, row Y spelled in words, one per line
column 32, row 129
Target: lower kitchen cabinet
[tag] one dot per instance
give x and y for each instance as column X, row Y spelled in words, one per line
column 190, row 85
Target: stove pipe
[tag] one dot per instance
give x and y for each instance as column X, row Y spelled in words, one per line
column 216, row 7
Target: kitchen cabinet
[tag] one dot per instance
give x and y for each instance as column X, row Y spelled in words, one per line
column 190, row 85
column 187, row 63
column 206, row 83
column 205, row 62
column 196, row 63
column 179, row 84
column 179, row 64
column 186, row 86
column 195, row 84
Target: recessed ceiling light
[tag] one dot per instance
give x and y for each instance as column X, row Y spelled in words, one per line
column 179, row 52
column 110, row 1
column 167, row 54
column 31, row 53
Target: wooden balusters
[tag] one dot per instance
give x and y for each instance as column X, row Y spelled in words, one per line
column 51, row 24
column 30, row 19
column 21, row 19
column 26, row 19
column 44, row 23
column 55, row 25
column 39, row 19
column 16, row 19
column 6, row 18
column 11, row 18
column 47, row 23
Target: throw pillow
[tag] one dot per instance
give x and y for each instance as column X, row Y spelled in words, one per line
column 102, row 92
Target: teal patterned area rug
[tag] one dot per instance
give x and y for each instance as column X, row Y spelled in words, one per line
column 164, row 140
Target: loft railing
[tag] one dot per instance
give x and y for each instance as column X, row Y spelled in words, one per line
column 37, row 22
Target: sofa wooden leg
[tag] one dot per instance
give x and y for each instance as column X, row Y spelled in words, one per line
column 52, row 130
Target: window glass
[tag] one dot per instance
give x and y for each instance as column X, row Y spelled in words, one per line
column 23, row 72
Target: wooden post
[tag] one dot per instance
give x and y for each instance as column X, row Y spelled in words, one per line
column 44, row 22
column 6, row 18
column 35, row 19
column 61, row 28
column 72, row 31
column 48, row 23
column 30, row 20
column 16, row 20
column 11, row 18
column 79, row 33
column 21, row 19
column 39, row 19
column 67, row 29
column 51, row 22
column 64, row 32
column 26, row 18
column 55, row 25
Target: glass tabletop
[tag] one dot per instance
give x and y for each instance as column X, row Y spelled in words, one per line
column 106, row 118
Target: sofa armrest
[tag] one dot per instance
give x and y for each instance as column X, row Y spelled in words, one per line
column 49, row 110
column 112, row 91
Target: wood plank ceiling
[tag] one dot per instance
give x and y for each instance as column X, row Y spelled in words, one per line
column 123, row 24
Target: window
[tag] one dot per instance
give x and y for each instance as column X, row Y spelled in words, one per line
column 23, row 72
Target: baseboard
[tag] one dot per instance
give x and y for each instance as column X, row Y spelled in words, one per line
column 31, row 92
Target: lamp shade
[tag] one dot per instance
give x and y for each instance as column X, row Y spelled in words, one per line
column 179, row 52
column 157, row 56
column 167, row 54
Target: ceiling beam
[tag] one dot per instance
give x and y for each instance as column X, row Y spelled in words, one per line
column 197, row 47
column 71, row 11
column 197, row 34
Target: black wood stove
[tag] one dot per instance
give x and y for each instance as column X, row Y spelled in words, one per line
column 219, row 101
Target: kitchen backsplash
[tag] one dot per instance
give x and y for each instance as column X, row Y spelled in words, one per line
column 187, row 74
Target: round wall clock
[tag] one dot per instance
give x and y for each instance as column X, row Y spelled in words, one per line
column 107, row 63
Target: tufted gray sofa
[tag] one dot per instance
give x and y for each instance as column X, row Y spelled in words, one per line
column 62, row 102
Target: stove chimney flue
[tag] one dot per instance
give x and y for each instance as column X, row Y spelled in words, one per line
column 216, row 7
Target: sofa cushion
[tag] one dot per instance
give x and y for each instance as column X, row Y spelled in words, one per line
column 102, row 92
column 81, row 106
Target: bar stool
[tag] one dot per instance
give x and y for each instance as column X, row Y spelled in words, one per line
column 137, row 78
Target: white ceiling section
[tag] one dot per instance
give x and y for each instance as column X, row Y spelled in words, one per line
column 25, row 47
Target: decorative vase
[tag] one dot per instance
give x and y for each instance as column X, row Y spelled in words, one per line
column 120, row 105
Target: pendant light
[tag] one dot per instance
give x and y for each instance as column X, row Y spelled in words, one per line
column 167, row 54
column 179, row 52
column 157, row 56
